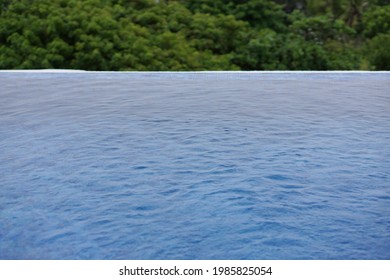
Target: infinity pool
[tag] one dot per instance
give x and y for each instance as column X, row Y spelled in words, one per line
column 194, row 165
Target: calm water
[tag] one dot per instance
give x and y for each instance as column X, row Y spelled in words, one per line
column 194, row 166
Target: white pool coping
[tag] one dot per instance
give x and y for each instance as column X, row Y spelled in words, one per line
column 194, row 72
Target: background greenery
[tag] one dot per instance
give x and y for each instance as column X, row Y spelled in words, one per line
column 195, row 34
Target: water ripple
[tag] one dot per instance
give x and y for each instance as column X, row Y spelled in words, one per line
column 246, row 166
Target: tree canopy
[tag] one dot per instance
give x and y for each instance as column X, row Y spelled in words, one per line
column 195, row 34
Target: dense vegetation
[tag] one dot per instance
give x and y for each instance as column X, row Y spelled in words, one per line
column 195, row 34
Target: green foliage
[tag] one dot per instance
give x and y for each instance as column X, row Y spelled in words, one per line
column 212, row 7
column 194, row 34
column 258, row 13
column 321, row 28
column 376, row 24
column 378, row 52
column 4, row 5
column 220, row 34
column 376, row 21
column 261, row 13
column 260, row 51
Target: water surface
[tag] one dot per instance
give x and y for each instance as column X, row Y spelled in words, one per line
column 194, row 166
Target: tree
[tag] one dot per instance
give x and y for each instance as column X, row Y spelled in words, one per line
column 376, row 24
column 193, row 34
column 376, row 21
column 378, row 52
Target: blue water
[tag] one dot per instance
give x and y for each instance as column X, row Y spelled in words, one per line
column 194, row 166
